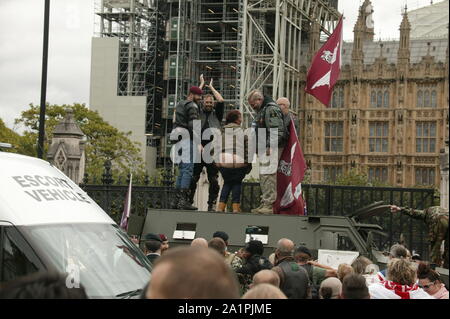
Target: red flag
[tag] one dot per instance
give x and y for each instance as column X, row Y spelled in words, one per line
column 325, row 68
column 126, row 207
column 291, row 171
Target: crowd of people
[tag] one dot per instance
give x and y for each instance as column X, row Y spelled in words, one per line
column 206, row 269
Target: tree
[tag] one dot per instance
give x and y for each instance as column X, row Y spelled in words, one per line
column 103, row 141
column 22, row 144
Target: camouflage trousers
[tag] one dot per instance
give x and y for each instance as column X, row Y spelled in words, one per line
column 439, row 233
column 268, row 180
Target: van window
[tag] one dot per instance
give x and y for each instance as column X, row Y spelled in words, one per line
column 98, row 256
column 17, row 257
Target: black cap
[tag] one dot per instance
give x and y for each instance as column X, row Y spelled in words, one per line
column 221, row 234
column 304, row 250
column 255, row 247
column 151, row 236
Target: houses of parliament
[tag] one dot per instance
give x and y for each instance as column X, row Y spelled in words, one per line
column 388, row 117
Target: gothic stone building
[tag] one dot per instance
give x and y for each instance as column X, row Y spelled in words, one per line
column 389, row 114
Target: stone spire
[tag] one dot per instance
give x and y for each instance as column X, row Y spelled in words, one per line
column 314, row 39
column 365, row 22
column 359, row 34
column 363, row 30
column 67, row 149
column 404, row 52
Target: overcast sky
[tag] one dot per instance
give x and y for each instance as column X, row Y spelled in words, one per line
column 71, row 30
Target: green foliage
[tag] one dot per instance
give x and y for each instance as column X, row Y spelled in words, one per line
column 22, row 144
column 103, row 141
column 352, row 178
column 356, row 178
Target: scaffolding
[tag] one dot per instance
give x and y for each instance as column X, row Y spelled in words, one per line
column 139, row 25
column 216, row 46
column 178, row 64
column 271, row 43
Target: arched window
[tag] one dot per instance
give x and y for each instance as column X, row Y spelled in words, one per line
column 341, row 97
column 433, row 98
column 386, row 98
column 420, row 98
column 334, row 100
column 379, row 99
column 426, row 98
column 373, row 99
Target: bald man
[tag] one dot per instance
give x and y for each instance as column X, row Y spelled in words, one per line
column 199, row 242
column 294, row 280
column 266, row 276
column 175, row 276
column 288, row 114
column 264, row 291
column 284, row 105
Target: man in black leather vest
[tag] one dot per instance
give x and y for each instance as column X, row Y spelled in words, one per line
column 294, row 280
column 211, row 114
column 187, row 111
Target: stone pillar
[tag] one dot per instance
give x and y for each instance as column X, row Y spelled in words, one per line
column 444, row 177
column 67, row 149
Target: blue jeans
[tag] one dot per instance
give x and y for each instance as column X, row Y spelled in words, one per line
column 235, row 190
column 186, row 167
column 185, row 172
column 232, row 182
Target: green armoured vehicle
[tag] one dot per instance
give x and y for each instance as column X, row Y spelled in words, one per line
column 315, row 232
column 347, row 233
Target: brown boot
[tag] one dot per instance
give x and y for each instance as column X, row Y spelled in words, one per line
column 236, row 207
column 221, row 207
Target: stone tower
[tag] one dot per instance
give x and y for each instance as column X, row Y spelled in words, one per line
column 67, row 149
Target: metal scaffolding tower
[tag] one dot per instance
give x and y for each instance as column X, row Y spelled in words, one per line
column 216, row 46
column 272, row 33
column 140, row 26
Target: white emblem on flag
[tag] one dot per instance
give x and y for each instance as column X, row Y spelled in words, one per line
column 285, row 168
column 298, row 191
column 287, row 196
column 330, row 58
column 293, row 150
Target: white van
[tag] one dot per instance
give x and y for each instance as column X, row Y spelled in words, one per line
column 48, row 223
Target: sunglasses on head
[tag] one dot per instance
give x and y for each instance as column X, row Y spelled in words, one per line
column 426, row 286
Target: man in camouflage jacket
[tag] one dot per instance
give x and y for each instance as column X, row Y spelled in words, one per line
column 268, row 116
column 437, row 220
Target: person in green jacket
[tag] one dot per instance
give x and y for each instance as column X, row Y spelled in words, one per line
column 437, row 220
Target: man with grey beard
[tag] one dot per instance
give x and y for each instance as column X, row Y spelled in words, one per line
column 269, row 117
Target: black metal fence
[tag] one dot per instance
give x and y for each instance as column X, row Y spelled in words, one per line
column 345, row 200
column 110, row 194
column 320, row 200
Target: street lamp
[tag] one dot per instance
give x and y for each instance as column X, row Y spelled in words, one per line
column 40, row 149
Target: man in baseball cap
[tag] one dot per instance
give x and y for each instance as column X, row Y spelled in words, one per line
column 153, row 245
column 186, row 112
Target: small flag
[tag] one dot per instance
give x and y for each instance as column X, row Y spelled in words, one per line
column 126, row 207
column 326, row 67
column 291, row 171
